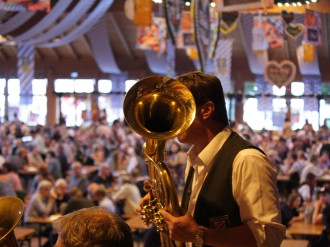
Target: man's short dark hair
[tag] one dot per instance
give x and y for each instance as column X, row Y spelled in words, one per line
column 206, row 87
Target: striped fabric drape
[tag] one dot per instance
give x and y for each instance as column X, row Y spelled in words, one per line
column 16, row 21
column 25, row 67
column 102, row 50
column 263, row 87
column 12, row 7
column 93, row 17
column 156, row 62
column 170, row 58
column 257, row 61
column 222, row 62
column 312, row 87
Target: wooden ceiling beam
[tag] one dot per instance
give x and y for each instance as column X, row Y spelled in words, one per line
column 86, row 43
column 55, row 53
column 73, row 51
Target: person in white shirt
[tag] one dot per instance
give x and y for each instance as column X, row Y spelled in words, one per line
column 103, row 200
column 129, row 192
column 233, row 197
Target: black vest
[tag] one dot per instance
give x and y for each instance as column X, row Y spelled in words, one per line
column 215, row 206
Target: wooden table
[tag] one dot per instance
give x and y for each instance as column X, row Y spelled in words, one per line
column 138, row 226
column 87, row 170
column 43, row 221
column 295, row 243
column 305, row 229
column 30, row 170
column 136, row 223
column 283, row 178
column 24, row 234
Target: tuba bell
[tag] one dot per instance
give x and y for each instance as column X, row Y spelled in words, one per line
column 11, row 212
column 159, row 108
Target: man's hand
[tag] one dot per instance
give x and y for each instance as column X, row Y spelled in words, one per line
column 183, row 228
column 145, row 200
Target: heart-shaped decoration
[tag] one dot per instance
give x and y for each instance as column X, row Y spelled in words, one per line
column 287, row 17
column 294, row 30
column 228, row 22
column 280, row 74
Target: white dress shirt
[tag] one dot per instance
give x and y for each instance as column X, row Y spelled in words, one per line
column 254, row 188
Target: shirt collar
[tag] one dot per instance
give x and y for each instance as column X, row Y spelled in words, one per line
column 205, row 157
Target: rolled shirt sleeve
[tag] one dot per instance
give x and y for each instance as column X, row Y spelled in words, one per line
column 255, row 191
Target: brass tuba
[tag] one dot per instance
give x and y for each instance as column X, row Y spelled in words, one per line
column 159, row 108
column 11, row 212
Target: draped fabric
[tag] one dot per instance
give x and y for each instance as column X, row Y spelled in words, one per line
column 47, row 21
column 102, row 50
column 16, row 21
column 93, row 17
column 312, row 87
column 25, row 66
column 256, row 61
column 305, row 67
column 118, row 82
column 116, row 101
column 263, row 87
column 170, row 58
column 12, row 7
column 222, row 62
column 156, row 62
column 65, row 24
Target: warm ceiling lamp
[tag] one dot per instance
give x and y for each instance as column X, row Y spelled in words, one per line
column 281, row 3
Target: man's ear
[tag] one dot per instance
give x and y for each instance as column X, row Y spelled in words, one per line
column 207, row 110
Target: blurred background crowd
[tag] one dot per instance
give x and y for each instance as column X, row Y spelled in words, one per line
column 56, row 169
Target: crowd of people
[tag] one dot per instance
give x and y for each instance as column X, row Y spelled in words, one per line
column 58, row 154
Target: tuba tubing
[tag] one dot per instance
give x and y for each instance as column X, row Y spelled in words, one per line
column 11, row 212
column 159, row 108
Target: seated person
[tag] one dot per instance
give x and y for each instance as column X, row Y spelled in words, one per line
column 306, row 189
column 41, row 203
column 60, row 193
column 103, row 176
column 289, row 210
column 77, row 201
column 103, row 229
column 43, row 174
column 320, row 204
column 77, row 178
column 6, row 184
column 100, row 194
column 324, row 239
column 130, row 193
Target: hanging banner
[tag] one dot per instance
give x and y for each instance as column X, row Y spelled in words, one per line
column 229, row 22
column 312, row 27
column 201, row 13
column 222, row 62
column 185, row 37
column 152, row 37
column 25, row 5
column 170, row 58
column 25, row 66
column 309, row 52
column 173, row 14
column 273, row 29
column 142, row 12
column 215, row 21
column 311, row 65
